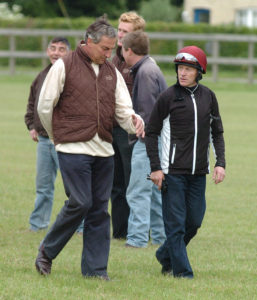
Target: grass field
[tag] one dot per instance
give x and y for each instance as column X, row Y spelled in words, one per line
column 223, row 254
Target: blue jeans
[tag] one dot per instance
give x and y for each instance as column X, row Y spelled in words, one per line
column 47, row 165
column 144, row 201
column 183, row 211
column 81, row 227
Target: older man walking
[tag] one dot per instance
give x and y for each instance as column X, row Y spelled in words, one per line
column 80, row 98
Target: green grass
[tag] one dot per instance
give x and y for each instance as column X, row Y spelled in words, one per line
column 223, row 254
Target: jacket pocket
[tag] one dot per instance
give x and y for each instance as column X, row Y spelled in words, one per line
column 173, row 153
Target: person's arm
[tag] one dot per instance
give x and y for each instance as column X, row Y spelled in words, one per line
column 29, row 116
column 50, row 93
column 147, row 93
column 153, row 130
column 218, row 174
column 34, row 135
column 139, row 125
column 124, row 113
column 159, row 113
column 218, row 142
column 157, row 177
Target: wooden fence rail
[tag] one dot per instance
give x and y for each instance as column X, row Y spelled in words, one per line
column 213, row 41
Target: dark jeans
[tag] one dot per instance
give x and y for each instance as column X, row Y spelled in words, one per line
column 183, row 211
column 122, row 168
column 87, row 181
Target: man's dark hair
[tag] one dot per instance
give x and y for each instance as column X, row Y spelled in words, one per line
column 60, row 39
column 100, row 28
column 137, row 41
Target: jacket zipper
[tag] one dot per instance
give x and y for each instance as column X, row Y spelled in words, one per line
column 97, row 105
column 173, row 153
column 196, row 132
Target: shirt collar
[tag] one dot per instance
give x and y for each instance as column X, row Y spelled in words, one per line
column 136, row 66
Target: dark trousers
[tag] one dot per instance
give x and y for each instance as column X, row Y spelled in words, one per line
column 122, row 168
column 183, row 211
column 87, row 181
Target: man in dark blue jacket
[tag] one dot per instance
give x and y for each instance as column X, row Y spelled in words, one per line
column 143, row 197
column 187, row 117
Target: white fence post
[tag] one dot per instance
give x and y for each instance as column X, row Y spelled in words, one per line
column 12, row 46
column 215, row 55
column 250, row 66
column 180, row 44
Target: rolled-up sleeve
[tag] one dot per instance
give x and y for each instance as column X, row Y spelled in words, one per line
column 49, row 95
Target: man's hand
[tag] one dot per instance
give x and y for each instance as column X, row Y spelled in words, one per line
column 157, row 177
column 218, row 174
column 34, row 135
column 139, row 124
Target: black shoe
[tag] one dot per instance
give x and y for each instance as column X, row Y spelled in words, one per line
column 43, row 263
column 104, row 277
column 166, row 270
column 101, row 277
column 119, row 237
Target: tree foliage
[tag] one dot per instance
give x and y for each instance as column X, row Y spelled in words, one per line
column 133, row 4
column 36, row 8
column 156, row 10
column 94, row 8
column 178, row 3
column 78, row 8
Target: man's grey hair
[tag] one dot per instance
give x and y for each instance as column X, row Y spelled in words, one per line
column 99, row 29
column 60, row 39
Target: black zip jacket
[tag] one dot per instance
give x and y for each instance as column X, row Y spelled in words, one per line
column 188, row 120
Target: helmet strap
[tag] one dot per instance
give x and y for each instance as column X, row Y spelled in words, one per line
column 199, row 76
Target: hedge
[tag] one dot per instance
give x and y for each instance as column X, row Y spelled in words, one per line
column 82, row 23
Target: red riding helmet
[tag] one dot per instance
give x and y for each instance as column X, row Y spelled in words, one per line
column 192, row 56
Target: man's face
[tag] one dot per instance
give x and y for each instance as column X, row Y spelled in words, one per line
column 187, row 76
column 56, row 50
column 101, row 51
column 123, row 29
column 127, row 57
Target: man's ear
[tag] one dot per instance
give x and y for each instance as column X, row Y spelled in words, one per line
column 89, row 41
column 130, row 52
